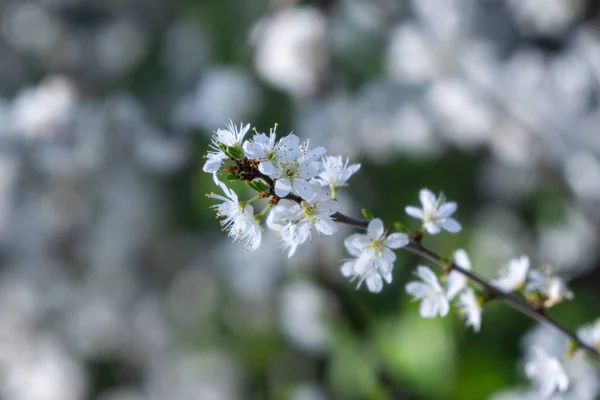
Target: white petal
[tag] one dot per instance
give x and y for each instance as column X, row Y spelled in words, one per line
column 432, row 228
column 315, row 153
column 278, row 217
column 289, row 149
column 363, row 263
column 374, row 283
column 446, row 209
column 303, row 188
column 461, row 258
column 443, row 306
column 253, row 150
column 256, row 239
column 414, row 212
column 428, row 308
column 348, row 268
column 300, row 232
column 388, row 255
column 270, row 169
column 417, row 289
column 451, row 225
column 384, row 267
column 375, row 229
column 396, row 240
column 307, row 171
column 328, row 207
column 428, row 276
column 356, row 243
column 428, row 199
column 454, row 284
column 326, row 226
column 292, row 251
column 283, row 187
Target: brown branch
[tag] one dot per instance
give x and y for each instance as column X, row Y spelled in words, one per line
column 415, row 247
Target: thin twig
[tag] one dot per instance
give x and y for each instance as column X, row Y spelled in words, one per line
column 512, row 300
column 415, row 247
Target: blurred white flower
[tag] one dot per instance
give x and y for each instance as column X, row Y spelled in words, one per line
column 304, row 311
column 553, row 288
column 547, row 373
column 46, row 109
column 222, row 93
column 239, row 218
column 433, row 298
column 374, row 255
column 461, row 112
column 456, row 282
column 548, row 17
column 291, row 49
column 29, row 26
column 470, row 308
column 119, row 46
column 590, row 334
column 435, row 213
column 514, row 275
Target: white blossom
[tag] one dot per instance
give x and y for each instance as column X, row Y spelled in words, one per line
column 336, row 172
column 374, row 258
column 230, row 137
column 433, row 298
column 547, row 372
column 272, row 152
column 213, row 163
column 239, row 221
column 294, row 221
column 435, row 213
column 291, row 165
column 553, row 288
column 513, row 276
column 590, row 334
column 470, row 308
column 456, row 281
column 295, row 175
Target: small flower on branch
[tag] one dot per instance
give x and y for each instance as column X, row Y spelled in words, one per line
column 551, row 289
column 222, row 140
column 239, row 221
column 590, row 334
column 374, row 256
column 436, row 213
column 456, row 281
column 431, row 293
column 514, row 275
column 294, row 222
column 470, row 307
column 547, row 373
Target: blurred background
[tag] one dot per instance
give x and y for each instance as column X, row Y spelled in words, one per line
column 116, row 282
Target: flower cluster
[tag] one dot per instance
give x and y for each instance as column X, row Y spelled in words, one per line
column 290, row 174
column 298, row 185
column 538, row 285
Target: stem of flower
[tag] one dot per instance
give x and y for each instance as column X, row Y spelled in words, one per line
column 333, row 191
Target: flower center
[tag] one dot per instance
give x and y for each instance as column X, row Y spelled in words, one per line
column 377, row 245
column 289, row 171
column 310, row 211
